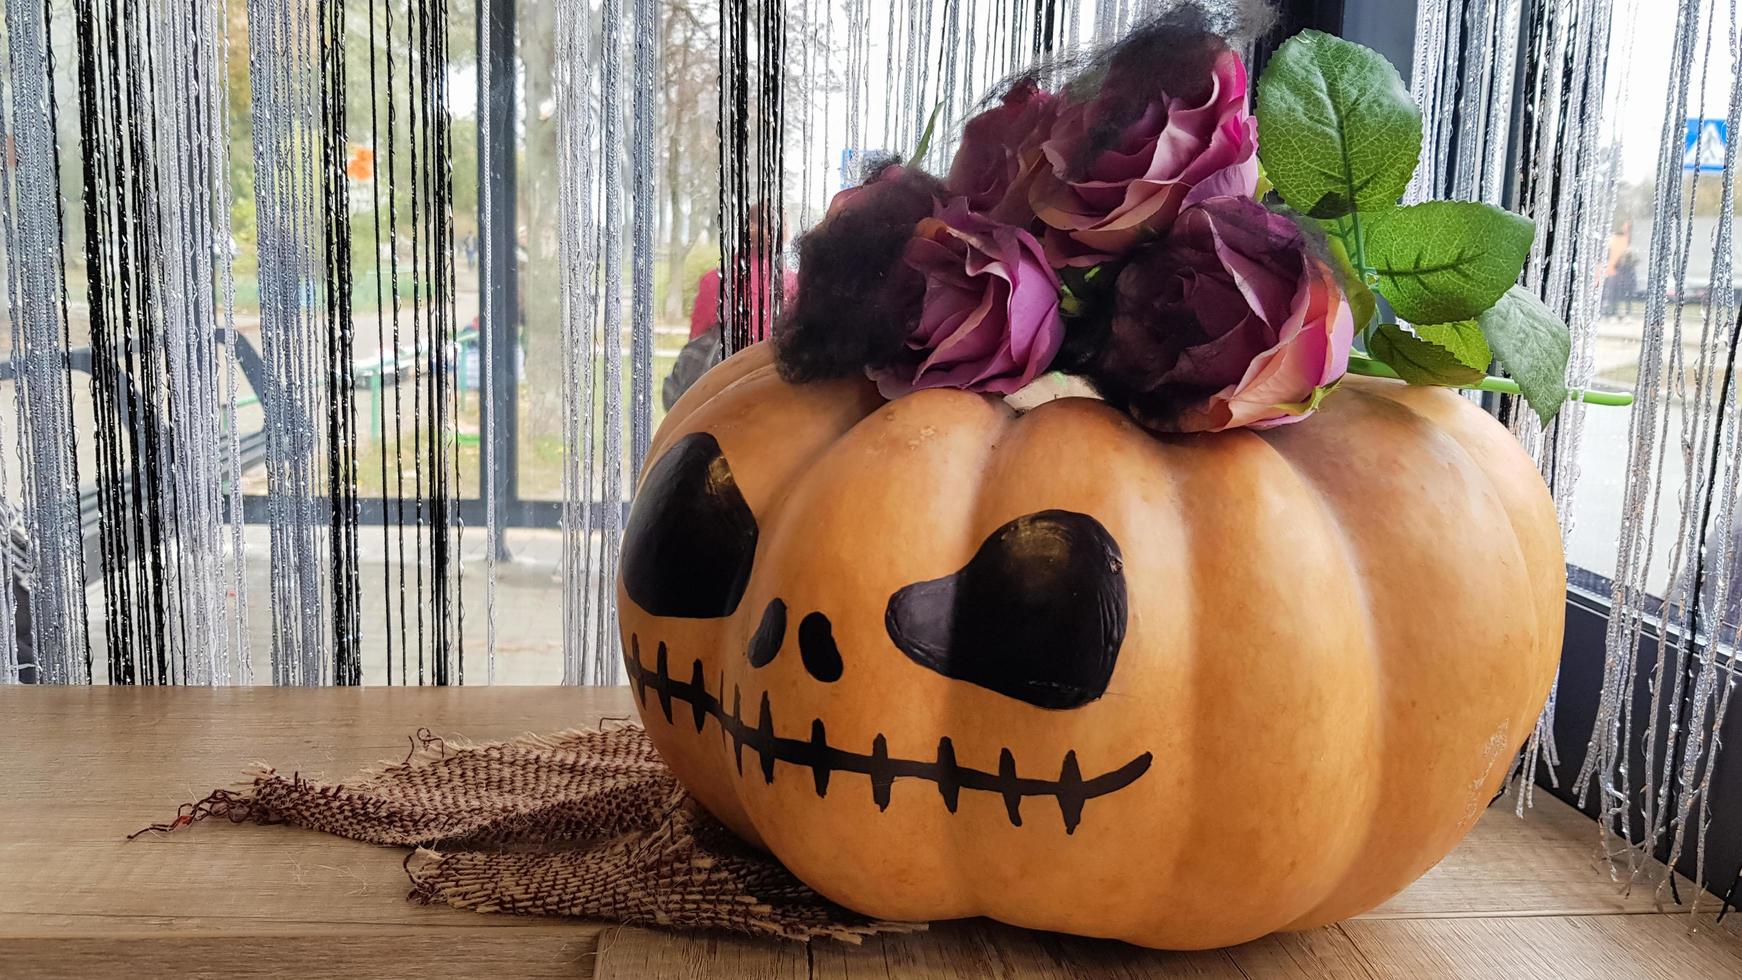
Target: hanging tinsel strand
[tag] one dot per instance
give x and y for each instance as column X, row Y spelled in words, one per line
column 422, row 357
column 279, row 64
column 121, row 192
column 448, row 647
column 771, row 167
column 578, row 254
column 341, row 406
column 59, row 650
column 610, row 482
column 573, row 132
column 396, row 357
column 643, row 134
column 386, row 357
column 491, row 327
column 734, row 134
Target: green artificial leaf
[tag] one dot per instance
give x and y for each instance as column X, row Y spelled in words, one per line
column 1264, row 185
column 1446, row 260
column 924, row 146
column 1420, row 361
column 1463, row 338
column 1361, row 302
column 1337, row 130
column 1533, row 345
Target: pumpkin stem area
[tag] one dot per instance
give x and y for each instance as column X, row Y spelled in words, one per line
column 1050, row 387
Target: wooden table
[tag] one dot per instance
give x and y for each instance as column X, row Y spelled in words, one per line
column 82, row 767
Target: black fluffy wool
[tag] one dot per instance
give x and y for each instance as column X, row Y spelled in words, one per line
column 857, row 299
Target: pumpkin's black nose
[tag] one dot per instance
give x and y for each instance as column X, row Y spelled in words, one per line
column 1038, row 614
column 691, row 537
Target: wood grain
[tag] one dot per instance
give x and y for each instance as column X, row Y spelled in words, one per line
column 628, row 953
column 973, row 949
column 1546, row 863
column 86, row 766
column 1591, row 947
column 459, row 953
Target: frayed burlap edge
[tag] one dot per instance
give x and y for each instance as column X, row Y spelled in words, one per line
column 585, row 823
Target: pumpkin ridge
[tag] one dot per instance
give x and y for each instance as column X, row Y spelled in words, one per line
column 957, row 857
column 1358, row 564
column 1359, row 889
column 1252, row 451
column 713, row 383
column 1463, row 424
column 1361, row 564
column 1005, row 489
column 1460, row 434
column 1452, row 424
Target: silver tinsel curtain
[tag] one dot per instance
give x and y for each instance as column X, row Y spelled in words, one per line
column 335, row 328
column 1597, row 118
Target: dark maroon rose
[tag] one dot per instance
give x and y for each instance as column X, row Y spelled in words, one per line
column 1001, row 152
column 1230, row 321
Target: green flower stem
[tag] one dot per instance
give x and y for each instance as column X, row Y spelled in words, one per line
column 1348, row 229
column 1360, row 246
column 1368, row 367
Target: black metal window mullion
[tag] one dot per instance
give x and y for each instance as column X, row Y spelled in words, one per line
column 499, row 415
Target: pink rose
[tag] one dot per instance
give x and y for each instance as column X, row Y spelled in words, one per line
column 1229, row 322
column 1175, row 152
column 990, row 318
column 1001, row 153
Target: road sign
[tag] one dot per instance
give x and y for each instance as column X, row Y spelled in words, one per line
column 853, row 163
column 1705, row 146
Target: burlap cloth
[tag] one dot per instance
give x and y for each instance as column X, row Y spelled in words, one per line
column 581, row 823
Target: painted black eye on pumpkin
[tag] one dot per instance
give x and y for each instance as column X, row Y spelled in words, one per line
column 1038, row 614
column 691, row 537
column 765, row 642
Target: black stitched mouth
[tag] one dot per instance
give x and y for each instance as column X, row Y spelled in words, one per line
column 815, row 753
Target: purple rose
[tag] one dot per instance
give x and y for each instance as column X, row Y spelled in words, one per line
column 990, row 317
column 1099, row 198
column 1230, row 321
column 1001, row 152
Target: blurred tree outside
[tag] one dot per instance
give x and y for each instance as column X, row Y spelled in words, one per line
column 379, row 99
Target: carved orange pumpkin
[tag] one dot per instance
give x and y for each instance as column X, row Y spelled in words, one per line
column 943, row 659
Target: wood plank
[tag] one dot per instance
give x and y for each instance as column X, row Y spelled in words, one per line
column 978, row 948
column 1546, row 863
column 86, row 766
column 627, row 953
column 457, row 953
column 1326, row 952
column 1595, row 947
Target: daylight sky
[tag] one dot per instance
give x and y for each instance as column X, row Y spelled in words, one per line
column 1647, row 26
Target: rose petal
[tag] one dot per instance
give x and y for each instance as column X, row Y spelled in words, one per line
column 1136, row 188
